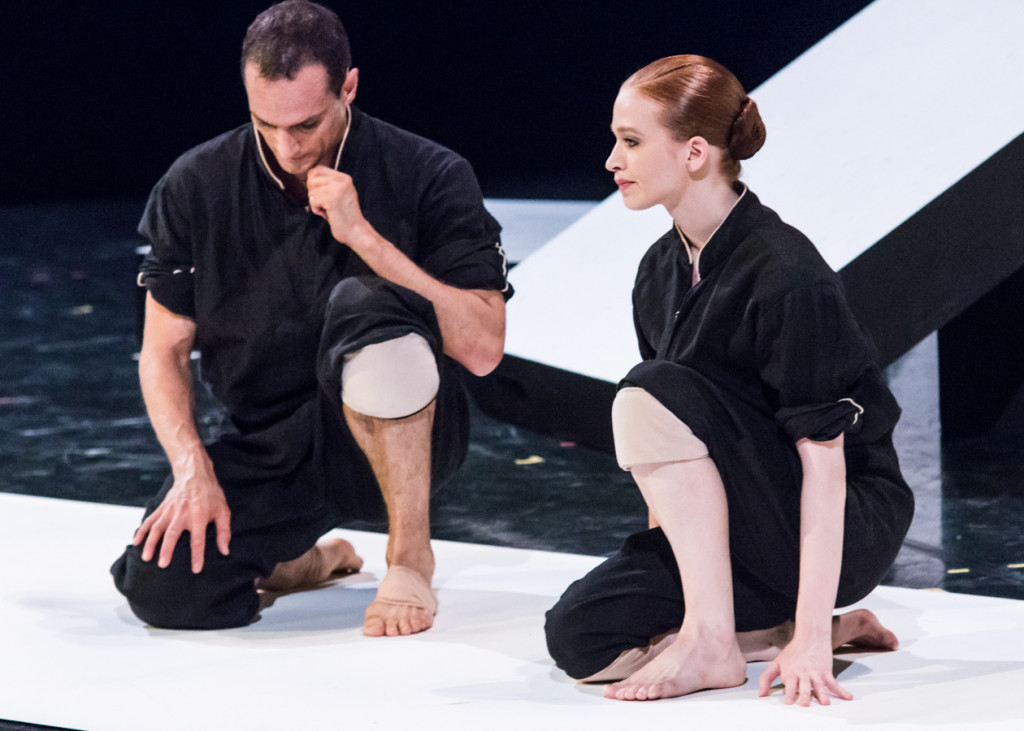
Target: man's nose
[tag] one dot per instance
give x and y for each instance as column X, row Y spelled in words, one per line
column 287, row 144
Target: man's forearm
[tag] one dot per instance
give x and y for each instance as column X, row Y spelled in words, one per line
column 472, row 322
column 167, row 389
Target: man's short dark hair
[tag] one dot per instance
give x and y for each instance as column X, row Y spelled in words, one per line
column 287, row 37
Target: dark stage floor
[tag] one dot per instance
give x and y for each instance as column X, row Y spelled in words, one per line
column 72, row 425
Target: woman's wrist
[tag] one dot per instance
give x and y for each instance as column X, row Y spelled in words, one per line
column 813, row 631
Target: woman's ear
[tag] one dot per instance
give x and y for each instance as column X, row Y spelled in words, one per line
column 698, row 153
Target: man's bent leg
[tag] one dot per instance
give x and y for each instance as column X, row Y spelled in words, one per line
column 222, row 595
column 399, row 453
column 274, row 520
column 388, row 395
column 321, row 562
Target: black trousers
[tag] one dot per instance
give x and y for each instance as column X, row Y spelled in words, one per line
column 288, row 484
column 636, row 594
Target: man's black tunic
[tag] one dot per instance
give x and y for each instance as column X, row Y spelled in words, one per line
column 277, row 304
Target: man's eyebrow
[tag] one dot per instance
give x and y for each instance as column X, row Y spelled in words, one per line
column 308, row 120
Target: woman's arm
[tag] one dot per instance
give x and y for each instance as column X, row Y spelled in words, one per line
column 805, row 665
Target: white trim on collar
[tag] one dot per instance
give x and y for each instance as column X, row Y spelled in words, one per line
column 263, row 159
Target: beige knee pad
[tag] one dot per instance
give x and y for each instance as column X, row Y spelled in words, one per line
column 646, row 432
column 392, row 379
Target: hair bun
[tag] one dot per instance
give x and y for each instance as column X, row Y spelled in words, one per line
column 747, row 134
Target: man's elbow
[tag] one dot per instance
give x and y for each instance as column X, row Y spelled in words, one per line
column 155, row 362
column 485, row 357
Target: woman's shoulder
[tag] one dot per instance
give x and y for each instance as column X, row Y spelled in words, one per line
column 667, row 247
column 784, row 257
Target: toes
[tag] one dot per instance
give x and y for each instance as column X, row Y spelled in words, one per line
column 403, row 625
column 373, row 627
column 344, row 556
column 620, row 692
column 392, row 621
column 648, row 693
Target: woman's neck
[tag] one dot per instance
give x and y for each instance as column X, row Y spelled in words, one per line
column 703, row 208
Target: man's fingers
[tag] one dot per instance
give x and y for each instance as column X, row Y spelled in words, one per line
column 142, row 530
column 316, row 173
column 223, row 523
column 197, row 542
column 153, row 534
column 170, row 540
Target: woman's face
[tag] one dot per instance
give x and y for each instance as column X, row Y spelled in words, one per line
column 648, row 163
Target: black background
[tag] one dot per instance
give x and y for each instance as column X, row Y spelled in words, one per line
column 99, row 97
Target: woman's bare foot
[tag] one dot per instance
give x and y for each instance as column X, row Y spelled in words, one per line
column 315, row 566
column 686, row 666
column 859, row 628
column 764, row 645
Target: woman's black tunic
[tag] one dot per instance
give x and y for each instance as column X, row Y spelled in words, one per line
column 762, row 352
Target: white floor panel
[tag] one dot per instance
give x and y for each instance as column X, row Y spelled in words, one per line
column 74, row 656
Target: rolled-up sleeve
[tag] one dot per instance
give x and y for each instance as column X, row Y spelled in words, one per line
column 813, row 355
column 462, row 239
column 171, row 284
column 167, row 271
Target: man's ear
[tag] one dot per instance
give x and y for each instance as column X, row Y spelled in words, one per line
column 348, row 88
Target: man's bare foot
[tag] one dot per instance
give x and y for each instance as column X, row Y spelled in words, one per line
column 405, row 604
column 315, row 566
column 686, row 666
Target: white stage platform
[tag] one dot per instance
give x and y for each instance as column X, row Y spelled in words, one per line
column 74, row 656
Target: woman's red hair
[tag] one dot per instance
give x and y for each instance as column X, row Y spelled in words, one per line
column 700, row 97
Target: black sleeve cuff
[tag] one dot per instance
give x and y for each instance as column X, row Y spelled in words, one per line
column 170, row 284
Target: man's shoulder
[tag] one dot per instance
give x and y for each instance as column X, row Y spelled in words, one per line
column 221, row 153
column 398, row 145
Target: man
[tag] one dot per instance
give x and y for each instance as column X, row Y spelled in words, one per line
column 331, row 270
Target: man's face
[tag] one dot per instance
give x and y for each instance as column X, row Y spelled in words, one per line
column 300, row 119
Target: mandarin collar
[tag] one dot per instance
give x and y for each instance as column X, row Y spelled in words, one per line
column 730, row 233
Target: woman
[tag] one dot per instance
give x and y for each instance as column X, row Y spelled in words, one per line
column 758, row 427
